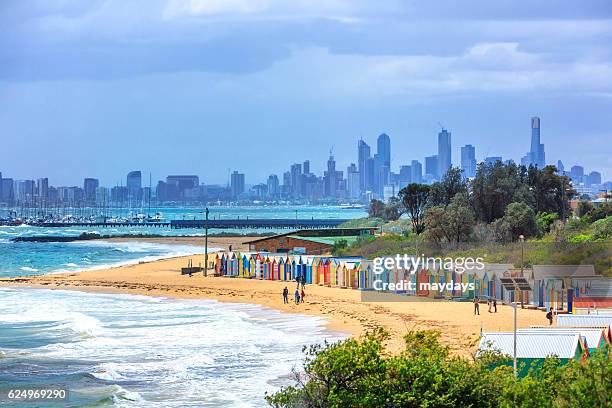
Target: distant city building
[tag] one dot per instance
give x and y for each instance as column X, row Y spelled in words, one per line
column 416, row 172
column 405, row 176
column 237, row 184
column 332, row 178
column 296, row 180
column 306, row 167
column 25, row 191
column 594, row 178
column 577, row 173
column 382, row 162
column 352, row 181
column 134, row 186
column 444, row 152
column 468, row 160
column 491, row 160
column 560, row 167
column 431, row 167
column 273, row 186
column 182, row 188
column 363, row 155
column 42, row 185
column 536, row 156
column 89, row 187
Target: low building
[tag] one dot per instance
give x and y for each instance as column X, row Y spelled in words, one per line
column 309, row 241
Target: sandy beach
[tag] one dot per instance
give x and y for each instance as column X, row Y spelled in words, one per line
column 343, row 308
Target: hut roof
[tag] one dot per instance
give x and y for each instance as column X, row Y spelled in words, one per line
column 584, row 320
column 562, row 271
column 592, row 335
column 532, row 345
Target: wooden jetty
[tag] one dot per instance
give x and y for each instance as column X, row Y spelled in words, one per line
column 241, row 223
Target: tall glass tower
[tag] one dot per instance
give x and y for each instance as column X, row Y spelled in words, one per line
column 444, row 152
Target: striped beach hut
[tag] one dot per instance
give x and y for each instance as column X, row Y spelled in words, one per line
column 552, row 284
column 366, row 275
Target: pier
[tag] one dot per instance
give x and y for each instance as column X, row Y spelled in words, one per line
column 241, row 223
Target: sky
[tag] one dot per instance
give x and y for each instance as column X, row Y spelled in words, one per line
column 99, row 88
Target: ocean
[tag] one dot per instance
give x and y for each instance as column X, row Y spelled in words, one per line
column 137, row 351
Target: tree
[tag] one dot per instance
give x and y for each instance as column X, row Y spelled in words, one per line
column 518, row 220
column 452, row 224
column 497, row 185
column 451, row 184
column 551, row 191
column 414, row 197
column 376, row 209
column 393, row 210
column 545, row 220
column 602, row 211
column 584, row 206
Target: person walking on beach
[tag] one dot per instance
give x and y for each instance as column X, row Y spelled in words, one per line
column 296, row 294
column 476, row 307
column 549, row 316
column 495, row 305
column 302, row 294
column 489, row 303
column 285, row 295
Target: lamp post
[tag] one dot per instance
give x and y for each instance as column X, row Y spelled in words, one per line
column 206, row 243
column 522, row 239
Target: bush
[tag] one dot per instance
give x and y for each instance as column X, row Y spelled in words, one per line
column 602, row 229
column 357, row 373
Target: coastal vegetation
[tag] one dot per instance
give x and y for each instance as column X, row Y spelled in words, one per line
column 486, row 216
column 358, row 373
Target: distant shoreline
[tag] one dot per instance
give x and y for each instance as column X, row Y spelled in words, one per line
column 89, row 236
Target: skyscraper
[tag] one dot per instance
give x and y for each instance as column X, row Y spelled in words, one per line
column 468, row 160
column 383, row 149
column 134, row 185
column 537, row 148
column 444, row 152
column 363, row 154
column 273, row 186
column 577, row 173
column 296, row 180
column 416, row 171
column 535, row 156
column 382, row 163
column 431, row 166
column 405, row 175
column 89, row 187
column 43, row 188
column 560, row 167
column 306, row 167
column 330, row 177
column 236, row 184
column 352, row 176
column 491, row 160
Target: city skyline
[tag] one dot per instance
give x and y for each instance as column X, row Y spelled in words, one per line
column 373, row 177
column 98, row 88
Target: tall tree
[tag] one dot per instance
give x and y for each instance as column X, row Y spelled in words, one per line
column 415, row 197
column 376, row 209
column 451, row 224
column 452, row 183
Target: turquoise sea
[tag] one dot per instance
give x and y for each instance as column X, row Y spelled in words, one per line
column 136, row 351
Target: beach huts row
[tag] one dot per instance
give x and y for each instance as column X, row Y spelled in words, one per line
column 308, row 269
column 560, row 287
